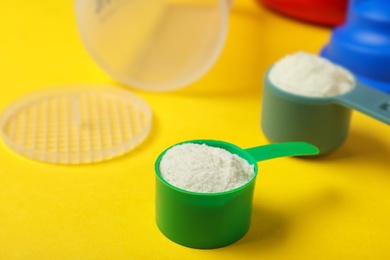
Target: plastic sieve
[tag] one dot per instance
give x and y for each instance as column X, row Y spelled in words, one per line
column 82, row 124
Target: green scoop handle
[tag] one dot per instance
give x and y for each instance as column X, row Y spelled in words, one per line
column 276, row 150
column 367, row 100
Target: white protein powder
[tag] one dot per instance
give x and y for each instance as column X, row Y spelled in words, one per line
column 310, row 75
column 205, row 169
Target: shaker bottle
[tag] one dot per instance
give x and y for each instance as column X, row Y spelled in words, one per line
column 154, row 45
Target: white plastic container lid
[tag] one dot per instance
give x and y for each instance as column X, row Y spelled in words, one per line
column 75, row 124
column 154, row 45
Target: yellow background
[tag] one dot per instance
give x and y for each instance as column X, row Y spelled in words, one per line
column 334, row 207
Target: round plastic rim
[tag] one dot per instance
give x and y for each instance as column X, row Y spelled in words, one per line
column 214, row 143
column 299, row 98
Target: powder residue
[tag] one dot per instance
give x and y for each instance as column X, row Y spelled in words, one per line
column 205, row 169
column 310, row 75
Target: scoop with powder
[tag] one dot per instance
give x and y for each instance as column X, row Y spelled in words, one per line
column 205, row 169
column 310, row 75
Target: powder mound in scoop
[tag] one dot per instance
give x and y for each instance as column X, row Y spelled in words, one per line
column 205, row 169
column 310, row 75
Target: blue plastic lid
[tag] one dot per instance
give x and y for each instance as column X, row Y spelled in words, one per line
column 362, row 44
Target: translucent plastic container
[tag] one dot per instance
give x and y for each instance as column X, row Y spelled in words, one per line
column 154, row 45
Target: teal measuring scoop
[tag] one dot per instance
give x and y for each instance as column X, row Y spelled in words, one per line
column 321, row 121
column 212, row 220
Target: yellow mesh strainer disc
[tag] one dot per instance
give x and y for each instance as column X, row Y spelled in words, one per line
column 75, row 126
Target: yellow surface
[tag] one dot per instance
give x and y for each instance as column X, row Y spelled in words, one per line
column 335, row 207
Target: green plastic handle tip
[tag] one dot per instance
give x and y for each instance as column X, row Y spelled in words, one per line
column 271, row 151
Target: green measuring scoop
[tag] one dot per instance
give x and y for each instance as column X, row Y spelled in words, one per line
column 321, row 121
column 212, row 220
